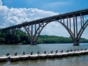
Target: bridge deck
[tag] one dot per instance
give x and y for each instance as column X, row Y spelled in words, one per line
column 51, row 18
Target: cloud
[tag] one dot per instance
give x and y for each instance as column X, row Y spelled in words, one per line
column 55, row 28
column 0, row 2
column 13, row 16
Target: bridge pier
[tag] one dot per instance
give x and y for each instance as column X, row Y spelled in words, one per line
column 76, row 42
column 73, row 22
column 33, row 42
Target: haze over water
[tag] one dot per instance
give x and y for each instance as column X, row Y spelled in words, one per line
column 67, row 61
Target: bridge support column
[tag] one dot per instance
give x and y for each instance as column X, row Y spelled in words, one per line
column 76, row 42
column 34, row 31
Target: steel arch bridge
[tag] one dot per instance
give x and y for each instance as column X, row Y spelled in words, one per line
column 71, row 22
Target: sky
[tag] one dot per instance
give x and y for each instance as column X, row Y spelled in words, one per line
column 14, row 12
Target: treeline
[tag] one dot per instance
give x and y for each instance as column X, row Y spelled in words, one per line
column 58, row 39
column 22, row 38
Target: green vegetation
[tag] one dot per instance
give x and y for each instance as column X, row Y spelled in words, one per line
column 58, row 39
column 53, row 39
column 22, row 38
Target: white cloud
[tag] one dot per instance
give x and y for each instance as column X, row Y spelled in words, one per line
column 13, row 16
column 55, row 28
column 0, row 2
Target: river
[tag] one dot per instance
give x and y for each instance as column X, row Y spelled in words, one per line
column 67, row 61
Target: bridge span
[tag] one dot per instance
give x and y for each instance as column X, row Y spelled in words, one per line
column 74, row 22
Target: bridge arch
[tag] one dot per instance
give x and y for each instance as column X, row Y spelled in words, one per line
column 74, row 32
column 66, row 27
column 82, row 29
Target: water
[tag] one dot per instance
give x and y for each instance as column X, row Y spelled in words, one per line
column 67, row 61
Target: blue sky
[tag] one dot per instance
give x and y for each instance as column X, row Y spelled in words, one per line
column 50, row 5
column 14, row 12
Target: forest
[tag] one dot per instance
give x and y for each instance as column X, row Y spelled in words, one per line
column 22, row 38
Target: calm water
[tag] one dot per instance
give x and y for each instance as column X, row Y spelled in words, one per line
column 69, row 61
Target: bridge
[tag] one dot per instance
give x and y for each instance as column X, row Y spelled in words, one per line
column 74, row 22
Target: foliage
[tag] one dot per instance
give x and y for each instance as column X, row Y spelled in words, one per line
column 54, row 39
column 22, row 38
